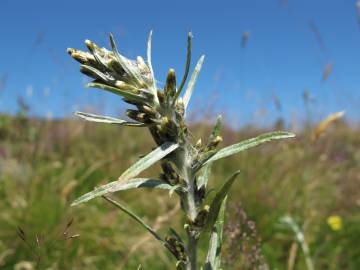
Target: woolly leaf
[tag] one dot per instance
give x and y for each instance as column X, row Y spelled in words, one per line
column 218, row 200
column 140, row 221
column 94, row 73
column 131, row 172
column 213, row 258
column 217, row 128
column 187, row 67
column 190, row 87
column 119, row 186
column 236, row 148
column 106, row 119
column 128, row 94
column 126, row 64
column 135, row 217
column 148, row 160
column 204, row 176
column 149, row 63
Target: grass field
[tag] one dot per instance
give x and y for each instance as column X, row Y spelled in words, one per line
column 45, row 165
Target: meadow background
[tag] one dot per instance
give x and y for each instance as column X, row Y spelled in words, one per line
column 271, row 65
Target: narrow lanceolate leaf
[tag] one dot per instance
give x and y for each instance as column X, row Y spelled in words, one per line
column 128, row 94
column 148, row 160
column 131, row 172
column 135, row 217
column 94, row 73
column 120, row 186
column 187, row 67
column 149, row 63
column 204, row 176
column 213, row 258
column 217, row 128
column 125, row 63
column 218, row 200
column 236, row 148
column 106, row 119
column 191, row 84
column 140, row 221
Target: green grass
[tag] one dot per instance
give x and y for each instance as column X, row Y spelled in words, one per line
column 44, row 166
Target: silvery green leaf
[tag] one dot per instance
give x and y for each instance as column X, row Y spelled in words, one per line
column 236, row 148
column 190, row 87
column 139, row 267
column 204, row 175
column 149, row 63
column 95, row 51
column 187, row 67
column 138, row 220
column 94, row 73
column 173, row 189
column 217, row 128
column 120, row 186
column 218, row 200
column 203, row 158
column 148, row 160
column 126, row 64
column 132, row 172
column 135, row 217
column 124, row 93
column 106, row 119
column 213, row 258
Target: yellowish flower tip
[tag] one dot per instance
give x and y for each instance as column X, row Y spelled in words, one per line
column 70, row 50
column 88, row 42
column 335, row 222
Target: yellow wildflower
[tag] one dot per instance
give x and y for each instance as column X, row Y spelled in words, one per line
column 335, row 222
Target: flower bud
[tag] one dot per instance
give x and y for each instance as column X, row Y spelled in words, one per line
column 138, row 116
column 161, row 96
column 198, row 143
column 90, row 45
column 176, row 247
column 81, row 57
column 201, row 218
column 148, row 110
column 215, row 142
column 170, row 87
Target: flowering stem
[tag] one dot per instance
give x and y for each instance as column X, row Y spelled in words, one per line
column 192, row 252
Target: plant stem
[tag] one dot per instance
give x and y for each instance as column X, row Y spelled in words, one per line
column 191, row 209
column 192, row 252
column 191, row 200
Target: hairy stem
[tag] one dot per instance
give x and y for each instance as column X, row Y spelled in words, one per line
column 192, row 252
column 183, row 162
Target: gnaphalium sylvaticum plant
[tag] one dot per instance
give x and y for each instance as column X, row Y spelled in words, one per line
column 186, row 167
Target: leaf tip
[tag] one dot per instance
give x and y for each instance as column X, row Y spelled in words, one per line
column 74, row 203
column 289, row 135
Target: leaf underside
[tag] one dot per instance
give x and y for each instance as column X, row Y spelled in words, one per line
column 213, row 258
column 218, row 200
column 133, row 171
column 106, row 119
column 249, row 143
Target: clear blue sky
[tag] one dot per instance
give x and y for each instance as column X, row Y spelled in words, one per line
column 289, row 45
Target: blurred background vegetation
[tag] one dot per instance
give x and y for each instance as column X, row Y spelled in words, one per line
column 45, row 164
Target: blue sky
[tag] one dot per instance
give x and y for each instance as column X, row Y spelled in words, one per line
column 289, row 45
